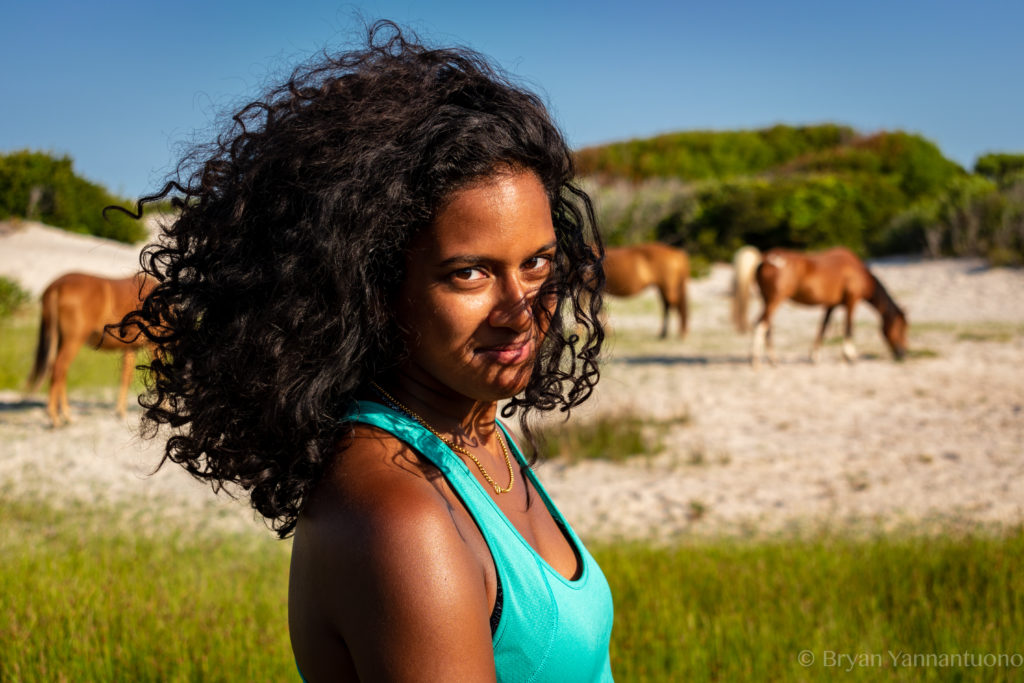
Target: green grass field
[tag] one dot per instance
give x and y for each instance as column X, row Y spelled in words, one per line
column 86, row 599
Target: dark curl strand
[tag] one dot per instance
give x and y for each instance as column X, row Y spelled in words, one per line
column 276, row 282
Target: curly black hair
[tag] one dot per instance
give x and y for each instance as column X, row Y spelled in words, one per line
column 276, row 280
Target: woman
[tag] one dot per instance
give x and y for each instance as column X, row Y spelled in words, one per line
column 375, row 255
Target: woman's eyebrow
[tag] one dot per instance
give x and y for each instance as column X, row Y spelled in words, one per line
column 475, row 260
column 462, row 260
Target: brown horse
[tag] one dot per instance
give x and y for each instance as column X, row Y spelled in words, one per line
column 628, row 270
column 831, row 278
column 76, row 310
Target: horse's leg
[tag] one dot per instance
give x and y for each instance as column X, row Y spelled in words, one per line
column 681, row 307
column 757, row 343
column 849, row 350
column 665, row 307
column 762, row 332
column 127, row 369
column 58, row 403
column 769, row 343
column 816, row 349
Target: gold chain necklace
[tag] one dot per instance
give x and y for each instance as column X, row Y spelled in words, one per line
column 458, row 449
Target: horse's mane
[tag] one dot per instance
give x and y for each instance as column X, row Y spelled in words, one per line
column 883, row 301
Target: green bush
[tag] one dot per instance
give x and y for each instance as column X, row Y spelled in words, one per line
column 40, row 187
column 702, row 155
column 12, row 297
column 973, row 217
column 798, row 211
column 806, row 188
column 916, row 165
column 999, row 167
column 628, row 213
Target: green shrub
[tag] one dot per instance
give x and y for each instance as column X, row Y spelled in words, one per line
column 799, row 211
column 12, row 297
column 701, row 155
column 914, row 164
column 40, row 187
column 628, row 213
column 999, row 167
column 804, row 188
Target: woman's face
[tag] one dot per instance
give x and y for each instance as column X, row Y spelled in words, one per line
column 471, row 281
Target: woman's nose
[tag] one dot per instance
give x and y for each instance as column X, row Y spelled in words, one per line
column 514, row 307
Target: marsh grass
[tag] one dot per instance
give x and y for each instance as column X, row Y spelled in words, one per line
column 732, row 611
column 990, row 331
column 85, row 598
column 985, row 336
column 81, row 602
column 614, row 437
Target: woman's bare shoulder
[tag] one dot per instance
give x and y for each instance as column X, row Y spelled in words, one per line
column 376, row 488
column 378, row 554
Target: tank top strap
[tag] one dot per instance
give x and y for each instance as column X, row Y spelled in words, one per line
column 538, row 486
column 455, row 471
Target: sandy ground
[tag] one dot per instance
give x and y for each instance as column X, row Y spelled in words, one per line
column 933, row 443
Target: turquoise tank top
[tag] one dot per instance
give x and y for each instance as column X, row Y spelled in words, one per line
column 550, row 628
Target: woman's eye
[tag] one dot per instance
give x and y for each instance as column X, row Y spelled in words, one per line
column 538, row 264
column 468, row 274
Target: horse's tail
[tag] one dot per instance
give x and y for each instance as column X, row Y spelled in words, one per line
column 46, row 348
column 744, row 266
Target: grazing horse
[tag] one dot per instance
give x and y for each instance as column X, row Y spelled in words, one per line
column 831, row 278
column 76, row 310
column 627, row 270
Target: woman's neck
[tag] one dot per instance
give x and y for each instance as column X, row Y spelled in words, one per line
column 443, row 409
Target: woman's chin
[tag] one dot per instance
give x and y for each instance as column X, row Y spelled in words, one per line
column 509, row 382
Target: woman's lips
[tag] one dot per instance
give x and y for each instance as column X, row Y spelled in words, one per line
column 508, row 354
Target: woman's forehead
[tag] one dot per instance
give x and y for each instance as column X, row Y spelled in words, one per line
column 505, row 212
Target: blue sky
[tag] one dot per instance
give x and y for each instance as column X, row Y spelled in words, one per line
column 119, row 86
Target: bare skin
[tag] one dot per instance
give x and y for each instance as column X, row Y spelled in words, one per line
column 391, row 580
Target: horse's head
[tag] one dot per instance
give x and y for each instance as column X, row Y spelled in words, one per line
column 894, row 321
column 894, row 328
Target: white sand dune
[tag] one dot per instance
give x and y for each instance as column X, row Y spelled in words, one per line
column 35, row 255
